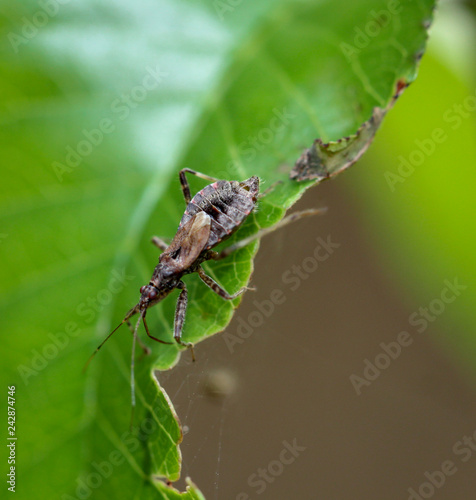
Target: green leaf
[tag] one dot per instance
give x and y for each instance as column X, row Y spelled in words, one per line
column 102, row 105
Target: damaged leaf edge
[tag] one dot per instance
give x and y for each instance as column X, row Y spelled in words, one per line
column 312, row 164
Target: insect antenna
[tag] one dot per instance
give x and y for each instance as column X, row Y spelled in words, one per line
column 128, row 315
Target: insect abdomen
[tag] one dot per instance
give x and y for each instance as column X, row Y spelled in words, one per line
column 227, row 204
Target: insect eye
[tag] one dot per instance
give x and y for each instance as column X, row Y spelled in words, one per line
column 153, row 294
column 175, row 253
column 142, row 288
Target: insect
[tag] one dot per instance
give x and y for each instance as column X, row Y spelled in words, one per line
column 211, row 216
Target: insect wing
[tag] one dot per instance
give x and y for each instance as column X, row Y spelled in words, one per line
column 194, row 239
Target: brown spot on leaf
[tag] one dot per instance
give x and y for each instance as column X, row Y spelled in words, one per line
column 402, row 84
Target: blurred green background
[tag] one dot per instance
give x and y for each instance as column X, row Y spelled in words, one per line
column 402, row 231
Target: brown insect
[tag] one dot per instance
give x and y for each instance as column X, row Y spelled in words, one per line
column 211, row 216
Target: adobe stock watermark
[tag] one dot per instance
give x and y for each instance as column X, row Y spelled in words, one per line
column 293, row 279
column 121, row 108
column 89, row 309
column 222, row 7
column 249, row 148
column 463, row 451
column 131, row 441
column 260, row 479
column 426, row 147
column 373, row 27
column 391, row 351
column 47, row 9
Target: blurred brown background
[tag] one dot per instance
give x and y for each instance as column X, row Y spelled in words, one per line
column 292, row 382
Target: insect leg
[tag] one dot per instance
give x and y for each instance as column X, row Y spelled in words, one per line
column 159, row 243
column 147, row 330
column 270, row 189
column 180, row 318
column 133, row 382
column 142, row 345
column 184, row 182
column 263, row 232
column 217, row 288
